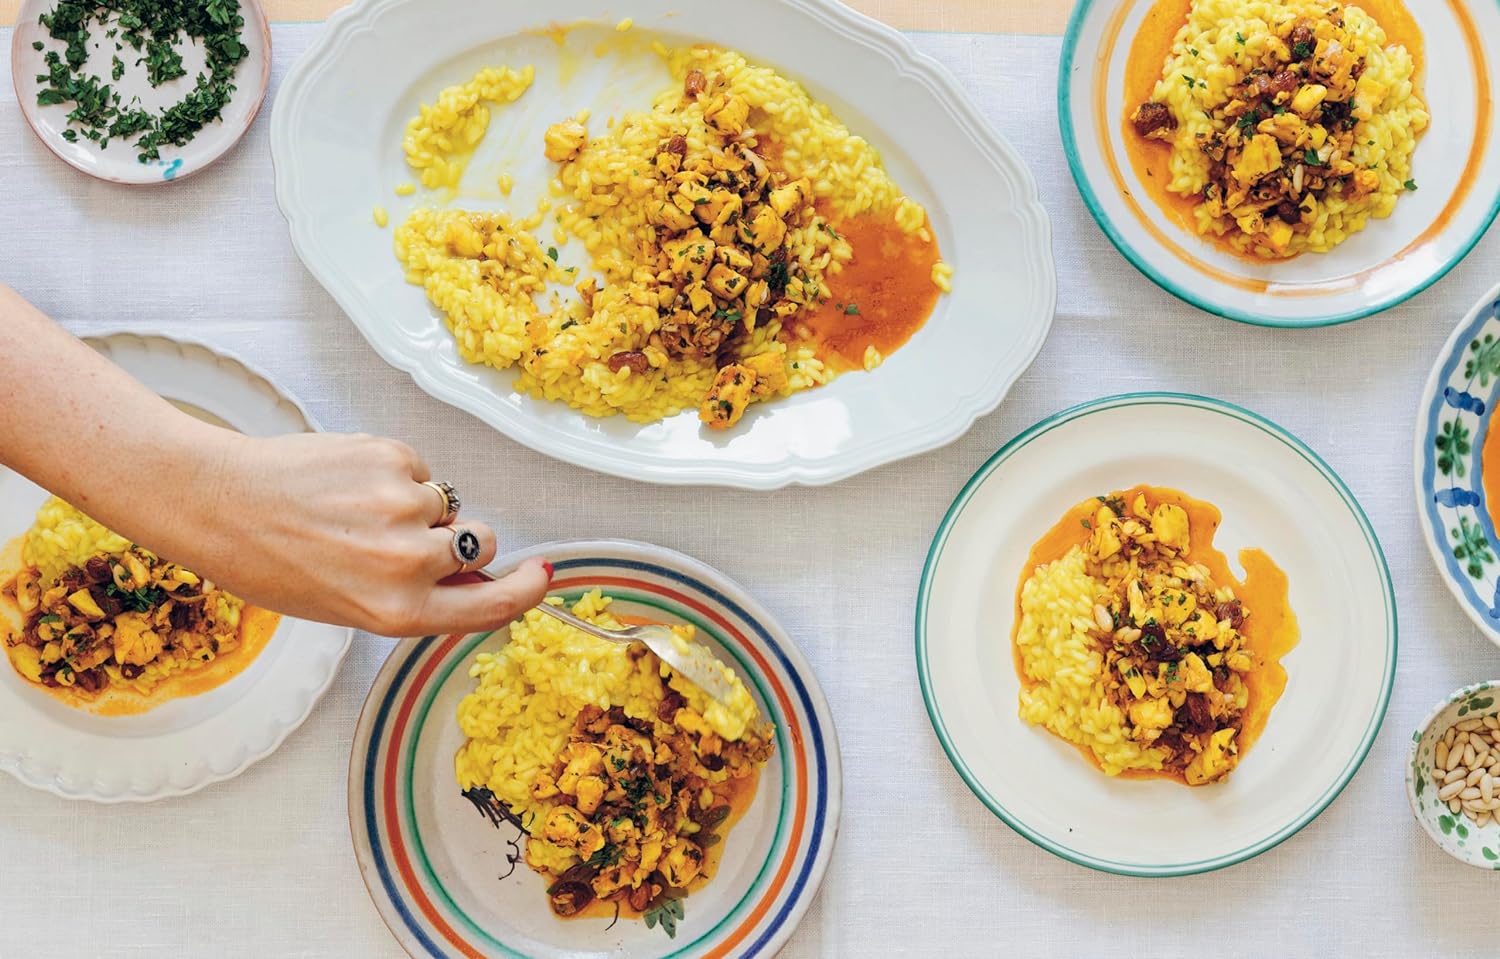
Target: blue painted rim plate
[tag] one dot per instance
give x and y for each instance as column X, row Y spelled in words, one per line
column 1451, row 430
column 944, row 730
column 1071, row 60
column 431, row 865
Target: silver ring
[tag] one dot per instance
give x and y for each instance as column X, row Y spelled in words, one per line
column 465, row 546
column 451, row 503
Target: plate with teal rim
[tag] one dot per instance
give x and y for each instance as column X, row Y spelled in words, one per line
column 1455, row 169
column 1275, row 494
column 1453, row 428
column 434, row 866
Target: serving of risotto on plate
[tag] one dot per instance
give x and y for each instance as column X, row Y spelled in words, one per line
column 1289, row 123
column 624, row 778
column 1134, row 643
column 742, row 245
column 108, row 626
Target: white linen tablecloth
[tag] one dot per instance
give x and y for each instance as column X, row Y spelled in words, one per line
column 262, row 866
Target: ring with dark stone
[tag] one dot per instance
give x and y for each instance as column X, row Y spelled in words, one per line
column 466, row 548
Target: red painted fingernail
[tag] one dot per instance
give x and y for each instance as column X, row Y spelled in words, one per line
column 548, row 567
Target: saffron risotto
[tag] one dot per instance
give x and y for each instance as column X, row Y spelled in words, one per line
column 639, row 339
column 1248, row 149
column 79, row 634
column 529, row 694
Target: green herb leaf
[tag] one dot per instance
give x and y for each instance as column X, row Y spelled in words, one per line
column 552, row 253
column 1410, row 185
column 851, row 310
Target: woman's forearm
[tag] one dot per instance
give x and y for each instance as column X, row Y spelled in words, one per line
column 84, row 429
column 323, row 526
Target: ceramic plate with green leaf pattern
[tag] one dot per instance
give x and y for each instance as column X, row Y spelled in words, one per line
column 1453, row 423
column 1455, row 834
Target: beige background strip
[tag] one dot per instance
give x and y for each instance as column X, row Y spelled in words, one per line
column 957, row 16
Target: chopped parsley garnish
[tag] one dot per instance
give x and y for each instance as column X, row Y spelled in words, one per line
column 567, row 324
column 552, row 253
column 1310, row 157
column 1303, row 50
column 141, row 600
column 1193, row 51
column 605, row 857
column 1086, row 524
column 851, row 310
column 155, row 27
column 1239, row 38
column 1410, row 185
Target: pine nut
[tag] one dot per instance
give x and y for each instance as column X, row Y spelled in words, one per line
column 1456, row 775
column 1455, row 756
column 1469, row 755
column 1451, row 790
column 1487, row 787
column 1469, row 725
column 1491, row 722
column 1484, row 819
column 1449, row 736
column 1440, row 754
column 1472, row 779
column 1492, row 805
column 1475, row 806
column 1469, row 793
column 1454, row 805
column 1101, row 616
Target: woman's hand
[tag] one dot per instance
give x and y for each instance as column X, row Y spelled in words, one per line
column 340, row 528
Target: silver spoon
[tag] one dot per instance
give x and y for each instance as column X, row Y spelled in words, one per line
column 696, row 664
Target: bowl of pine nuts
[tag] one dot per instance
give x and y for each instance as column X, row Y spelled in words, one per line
column 1453, row 778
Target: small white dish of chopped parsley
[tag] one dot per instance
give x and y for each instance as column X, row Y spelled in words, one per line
column 140, row 91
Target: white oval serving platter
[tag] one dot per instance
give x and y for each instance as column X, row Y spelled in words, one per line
column 336, row 142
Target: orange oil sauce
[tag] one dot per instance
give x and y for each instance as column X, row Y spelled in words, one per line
column 1270, row 631
column 1152, row 47
column 880, row 297
column 888, row 284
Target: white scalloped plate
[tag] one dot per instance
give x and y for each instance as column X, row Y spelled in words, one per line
column 184, row 744
column 338, row 154
column 117, row 163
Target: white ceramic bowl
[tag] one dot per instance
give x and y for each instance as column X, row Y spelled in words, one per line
column 1456, row 167
column 1454, row 833
column 183, row 744
column 118, row 163
column 338, row 155
column 1275, row 494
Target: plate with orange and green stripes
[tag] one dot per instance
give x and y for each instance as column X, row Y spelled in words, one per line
column 442, row 876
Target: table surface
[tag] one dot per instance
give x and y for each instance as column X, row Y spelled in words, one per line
column 262, row 866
